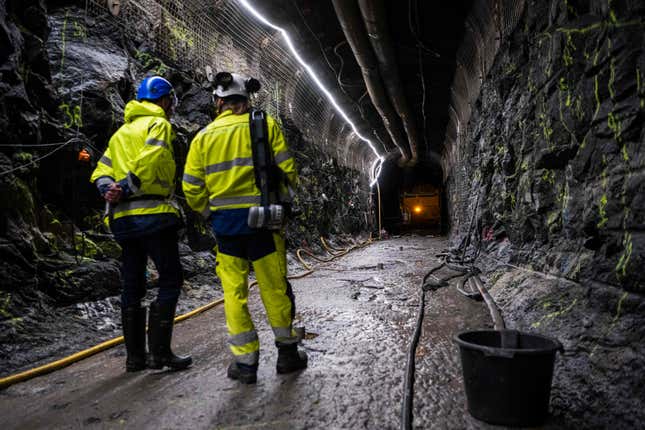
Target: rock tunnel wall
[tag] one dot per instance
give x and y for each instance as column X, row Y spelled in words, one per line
column 554, row 146
column 67, row 68
column 547, row 176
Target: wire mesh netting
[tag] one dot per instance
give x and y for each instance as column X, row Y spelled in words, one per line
column 207, row 36
column 488, row 23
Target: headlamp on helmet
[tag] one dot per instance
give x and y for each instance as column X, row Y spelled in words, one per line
column 233, row 84
column 252, row 85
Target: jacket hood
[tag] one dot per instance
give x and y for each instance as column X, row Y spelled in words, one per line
column 135, row 109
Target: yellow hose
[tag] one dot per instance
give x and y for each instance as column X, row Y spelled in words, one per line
column 300, row 275
column 331, row 250
column 312, row 255
column 198, row 310
column 59, row 364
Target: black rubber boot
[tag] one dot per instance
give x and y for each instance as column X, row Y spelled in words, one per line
column 290, row 359
column 133, row 320
column 160, row 325
column 244, row 373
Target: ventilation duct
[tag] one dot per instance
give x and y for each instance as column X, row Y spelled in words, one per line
column 375, row 19
column 351, row 22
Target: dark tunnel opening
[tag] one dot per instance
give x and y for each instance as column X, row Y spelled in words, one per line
column 411, row 199
column 414, row 198
column 427, row 58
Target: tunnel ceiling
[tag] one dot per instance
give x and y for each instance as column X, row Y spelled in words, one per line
column 442, row 51
column 405, row 74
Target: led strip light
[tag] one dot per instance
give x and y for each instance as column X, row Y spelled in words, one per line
column 375, row 168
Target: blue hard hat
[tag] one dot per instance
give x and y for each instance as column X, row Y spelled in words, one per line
column 153, row 88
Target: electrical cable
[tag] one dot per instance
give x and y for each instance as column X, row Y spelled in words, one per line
column 27, row 146
column 322, row 48
column 427, row 284
column 35, row 160
column 342, row 66
column 379, row 159
column 472, row 224
column 452, row 261
column 408, row 386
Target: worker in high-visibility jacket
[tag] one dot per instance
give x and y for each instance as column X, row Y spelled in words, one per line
column 219, row 183
column 136, row 176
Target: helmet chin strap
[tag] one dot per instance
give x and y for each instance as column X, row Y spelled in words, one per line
column 218, row 105
column 171, row 104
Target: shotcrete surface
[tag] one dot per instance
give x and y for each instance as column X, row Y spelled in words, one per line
column 359, row 313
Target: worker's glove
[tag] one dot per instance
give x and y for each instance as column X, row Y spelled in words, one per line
column 113, row 193
column 129, row 185
column 126, row 191
column 104, row 188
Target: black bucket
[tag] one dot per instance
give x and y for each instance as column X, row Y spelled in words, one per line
column 507, row 375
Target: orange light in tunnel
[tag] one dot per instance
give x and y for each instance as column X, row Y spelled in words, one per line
column 417, row 209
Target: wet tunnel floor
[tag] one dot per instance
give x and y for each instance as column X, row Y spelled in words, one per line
column 359, row 313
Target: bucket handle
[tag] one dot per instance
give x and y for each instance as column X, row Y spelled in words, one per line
column 497, row 352
column 509, row 353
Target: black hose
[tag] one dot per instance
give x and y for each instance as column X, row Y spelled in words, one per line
column 472, row 293
column 458, row 268
column 408, row 386
column 427, row 275
column 469, row 274
column 470, row 228
column 498, row 320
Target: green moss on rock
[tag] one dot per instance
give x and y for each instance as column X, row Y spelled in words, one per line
column 86, row 247
column 110, row 248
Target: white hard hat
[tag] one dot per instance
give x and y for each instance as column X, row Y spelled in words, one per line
column 234, row 84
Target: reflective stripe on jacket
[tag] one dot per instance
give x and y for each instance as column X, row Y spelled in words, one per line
column 219, row 167
column 141, row 152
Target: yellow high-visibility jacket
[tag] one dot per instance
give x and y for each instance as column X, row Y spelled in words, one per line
column 141, row 152
column 219, row 167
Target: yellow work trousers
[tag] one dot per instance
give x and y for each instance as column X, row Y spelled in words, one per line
column 266, row 251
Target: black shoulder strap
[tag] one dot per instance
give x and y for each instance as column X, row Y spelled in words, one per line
column 262, row 156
